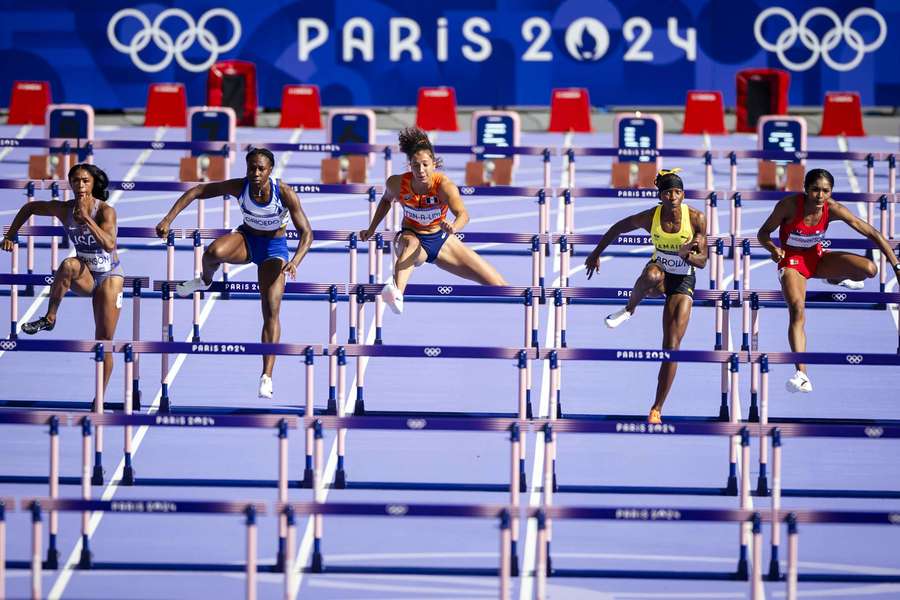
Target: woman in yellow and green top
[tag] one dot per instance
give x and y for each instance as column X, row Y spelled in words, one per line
column 679, row 240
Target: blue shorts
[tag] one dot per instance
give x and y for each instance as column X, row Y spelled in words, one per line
column 261, row 248
column 431, row 243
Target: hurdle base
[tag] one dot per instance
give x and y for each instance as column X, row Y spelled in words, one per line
column 742, row 570
column 723, row 409
column 52, row 561
column 731, row 488
column 762, row 486
column 359, row 408
column 316, row 565
column 331, row 407
column 85, row 561
column 513, row 559
column 279, row 556
column 308, row 478
column 629, row 574
column 128, row 475
column 774, row 568
column 97, row 475
column 135, row 396
column 753, row 413
column 340, row 479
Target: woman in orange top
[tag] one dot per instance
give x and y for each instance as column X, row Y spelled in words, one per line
column 425, row 196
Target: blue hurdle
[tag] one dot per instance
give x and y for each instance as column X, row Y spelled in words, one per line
column 317, row 565
column 250, row 511
column 819, row 426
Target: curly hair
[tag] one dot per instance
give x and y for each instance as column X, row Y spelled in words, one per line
column 412, row 140
column 101, row 180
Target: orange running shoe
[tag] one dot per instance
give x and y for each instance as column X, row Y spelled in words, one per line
column 654, row 417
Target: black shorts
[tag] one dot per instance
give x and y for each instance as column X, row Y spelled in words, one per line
column 678, row 284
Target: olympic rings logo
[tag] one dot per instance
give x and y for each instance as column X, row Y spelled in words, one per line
column 396, row 510
column 445, row 289
column 193, row 32
column 874, row 432
column 416, row 423
column 127, row 185
column 854, row 359
column 460, row 236
column 432, row 352
column 826, row 243
column 894, row 518
column 157, row 145
column 7, row 345
column 820, row 47
column 48, row 280
column 466, row 190
column 839, row 296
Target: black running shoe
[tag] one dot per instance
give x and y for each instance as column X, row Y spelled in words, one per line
column 41, row 324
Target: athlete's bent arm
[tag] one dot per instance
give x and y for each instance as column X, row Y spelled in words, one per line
column 451, row 194
column 838, row 211
column 213, row 189
column 641, row 220
column 52, row 208
column 775, row 219
column 694, row 251
column 301, row 224
column 384, row 206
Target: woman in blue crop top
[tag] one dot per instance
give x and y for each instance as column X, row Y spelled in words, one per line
column 266, row 205
column 679, row 238
column 94, row 270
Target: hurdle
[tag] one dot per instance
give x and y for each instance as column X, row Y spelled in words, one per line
column 821, row 427
column 250, row 511
column 53, row 420
column 6, row 505
column 731, row 359
column 403, row 511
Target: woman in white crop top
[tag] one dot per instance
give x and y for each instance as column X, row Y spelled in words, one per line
column 266, row 204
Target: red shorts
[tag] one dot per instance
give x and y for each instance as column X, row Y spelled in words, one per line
column 804, row 262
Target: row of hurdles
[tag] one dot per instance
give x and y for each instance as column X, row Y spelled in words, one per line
column 749, row 563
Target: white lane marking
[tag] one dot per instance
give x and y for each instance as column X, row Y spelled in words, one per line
column 23, row 131
column 65, row 574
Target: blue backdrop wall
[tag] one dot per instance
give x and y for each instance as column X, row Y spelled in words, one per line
column 500, row 52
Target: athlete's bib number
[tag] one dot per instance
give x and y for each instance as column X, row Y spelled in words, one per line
column 804, row 241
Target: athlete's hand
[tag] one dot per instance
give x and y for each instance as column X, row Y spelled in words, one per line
column 591, row 264
column 6, row 245
column 365, row 234
column 777, row 254
column 290, row 269
column 688, row 248
column 162, row 228
column 447, row 227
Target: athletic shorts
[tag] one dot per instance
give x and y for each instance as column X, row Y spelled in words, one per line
column 262, row 248
column 679, row 284
column 804, row 262
column 431, row 243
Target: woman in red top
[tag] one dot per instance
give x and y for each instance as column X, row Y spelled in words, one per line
column 802, row 220
column 425, row 196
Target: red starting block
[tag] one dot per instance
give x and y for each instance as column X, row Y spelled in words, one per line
column 301, row 106
column 570, row 110
column 842, row 114
column 436, row 109
column 28, row 103
column 704, row 112
column 166, row 105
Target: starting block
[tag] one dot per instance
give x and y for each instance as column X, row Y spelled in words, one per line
column 704, row 112
column 491, row 132
column 28, row 103
column 64, row 122
column 842, row 114
column 208, row 124
column 349, row 127
column 570, row 110
column 786, row 134
column 301, row 106
column 166, row 105
column 638, row 138
column 436, row 109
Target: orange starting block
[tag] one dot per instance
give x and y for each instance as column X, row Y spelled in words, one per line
column 570, row 110
column 842, row 114
column 166, row 105
column 704, row 112
column 436, row 109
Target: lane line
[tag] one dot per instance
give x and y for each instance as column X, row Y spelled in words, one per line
column 23, row 131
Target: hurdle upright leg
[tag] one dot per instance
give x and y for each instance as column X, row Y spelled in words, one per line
column 128, row 471
column 505, row 557
column 36, row 566
column 29, row 253
column 340, row 481
column 14, row 293
column 251, row 552
column 85, row 558
column 97, row 478
column 744, row 532
column 549, row 489
column 289, row 549
column 310, row 413
column 762, row 482
column 892, row 189
column 774, row 567
column 359, row 407
column 282, row 561
column 331, row 407
column 318, row 496
column 352, row 296
column 2, row 549
column 198, row 272
column 757, row 591
column 515, row 481
column 379, row 278
column 793, row 553
column 733, row 441
column 725, row 372
column 870, row 188
column 52, row 551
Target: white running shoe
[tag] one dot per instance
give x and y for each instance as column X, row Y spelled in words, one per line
column 850, row 284
column 617, row 318
column 190, row 286
column 265, row 386
column 392, row 296
column 799, row 383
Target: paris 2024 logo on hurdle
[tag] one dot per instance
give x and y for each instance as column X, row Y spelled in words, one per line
column 799, row 32
column 172, row 41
